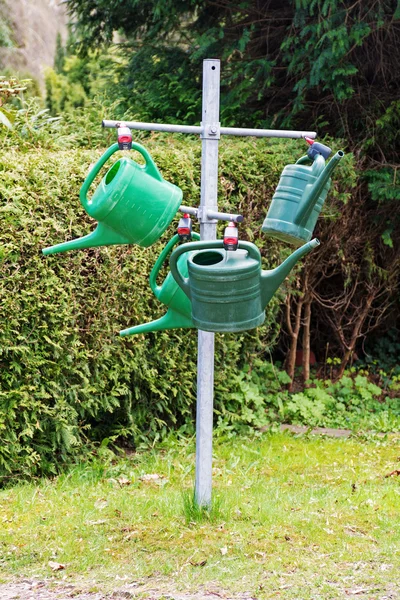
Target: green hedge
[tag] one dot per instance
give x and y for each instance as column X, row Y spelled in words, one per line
column 66, row 377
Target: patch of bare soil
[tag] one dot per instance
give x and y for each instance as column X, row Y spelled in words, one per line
column 44, row 590
column 38, row 590
column 336, row 433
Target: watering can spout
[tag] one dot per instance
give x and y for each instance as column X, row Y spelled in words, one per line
column 101, row 236
column 313, row 191
column 271, row 280
column 171, row 320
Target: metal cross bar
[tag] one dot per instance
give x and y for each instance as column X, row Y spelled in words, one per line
column 211, row 214
column 154, row 126
column 189, row 210
column 199, row 130
column 276, row 133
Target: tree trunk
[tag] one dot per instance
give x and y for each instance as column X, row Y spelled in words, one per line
column 306, row 340
column 294, row 335
column 355, row 335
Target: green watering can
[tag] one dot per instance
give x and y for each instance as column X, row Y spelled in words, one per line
column 169, row 293
column 133, row 204
column 299, row 198
column 228, row 290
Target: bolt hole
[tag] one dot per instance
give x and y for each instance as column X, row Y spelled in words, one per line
column 213, row 68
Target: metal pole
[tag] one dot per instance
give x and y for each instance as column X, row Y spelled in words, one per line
column 208, row 231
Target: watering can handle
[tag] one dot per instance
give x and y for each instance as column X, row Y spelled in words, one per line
column 318, row 163
column 150, row 168
column 183, row 282
column 160, row 261
column 303, row 160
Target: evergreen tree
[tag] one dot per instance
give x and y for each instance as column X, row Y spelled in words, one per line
column 59, row 58
column 288, row 63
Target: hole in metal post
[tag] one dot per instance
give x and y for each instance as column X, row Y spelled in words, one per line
column 213, row 68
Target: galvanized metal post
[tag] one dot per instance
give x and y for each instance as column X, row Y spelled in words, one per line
column 208, row 229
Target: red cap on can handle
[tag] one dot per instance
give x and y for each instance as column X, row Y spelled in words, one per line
column 124, row 137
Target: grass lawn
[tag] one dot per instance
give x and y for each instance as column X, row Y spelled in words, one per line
column 293, row 517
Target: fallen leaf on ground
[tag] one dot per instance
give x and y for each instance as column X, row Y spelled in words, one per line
column 130, row 535
column 124, row 481
column 224, row 550
column 99, row 522
column 55, row 566
column 150, row 477
column 396, row 472
column 199, row 564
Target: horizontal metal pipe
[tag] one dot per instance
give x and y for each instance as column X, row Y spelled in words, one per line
column 197, row 129
column 278, row 133
column 189, row 210
column 212, row 214
column 155, row 126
